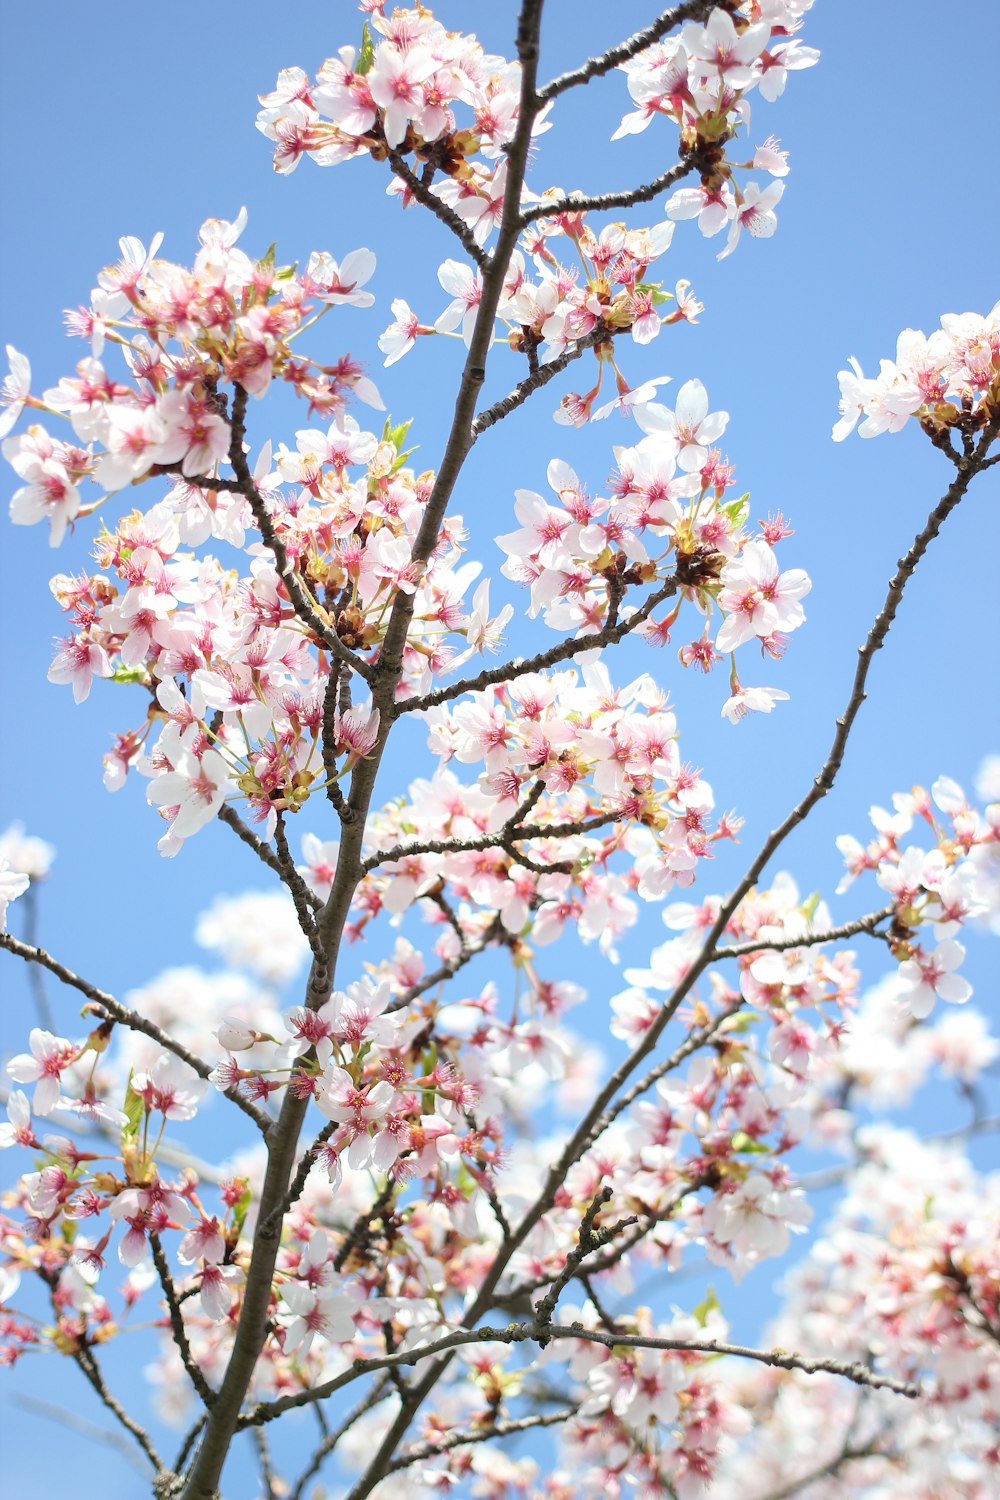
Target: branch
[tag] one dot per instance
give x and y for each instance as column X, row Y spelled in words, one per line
column 595, row 67
column 583, row 1134
column 448, row 969
column 189, row 1442
column 422, row 1451
column 509, row 834
column 301, row 602
column 362, row 1224
column 636, row 1229
column 535, row 1332
column 582, row 203
column 304, row 900
column 330, row 1440
column 268, row 1478
column 306, row 1163
column 536, row 379
column 130, row 1018
column 87, row 1361
column 589, row 1239
column 810, row 940
column 780, row 1359
column 572, row 646
column 438, row 208
column 177, row 1328
column 694, row 1043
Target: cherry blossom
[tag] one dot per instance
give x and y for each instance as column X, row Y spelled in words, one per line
column 460, row 1169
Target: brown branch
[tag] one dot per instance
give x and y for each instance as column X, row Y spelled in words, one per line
column 808, row 940
column 328, row 743
column 537, row 378
column 305, row 901
column 534, row 1332
column 504, row 838
column 588, row 1240
column 188, row 1443
column 203, row 1477
column 572, row 646
column 306, row 1163
column 86, row 1360
column 581, row 203
column 821, row 785
column 693, row 1043
column 378, row 1393
column 779, row 1359
column 448, row 969
column 115, row 1011
column 360, row 1229
column 301, row 603
column 177, row 1328
column 420, row 1452
column 596, row 67
column 438, row 208
column 268, row 1478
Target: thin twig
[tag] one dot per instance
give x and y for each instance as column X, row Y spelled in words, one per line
column 596, row 67
column 419, row 1452
column 87, row 1362
column 130, row 1018
column 321, row 627
column 572, row 646
column 379, row 1392
column 438, row 208
column 537, row 378
column 177, row 1328
column 534, row 1332
column 583, row 1134
column 577, row 203
column 807, row 940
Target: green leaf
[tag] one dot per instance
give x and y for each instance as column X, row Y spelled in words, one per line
column 241, row 1207
column 134, row 1109
column 367, row 54
column 746, row 1145
column 465, row 1182
column 705, row 1308
column 397, row 434
column 738, row 510
column 122, row 673
column 809, row 906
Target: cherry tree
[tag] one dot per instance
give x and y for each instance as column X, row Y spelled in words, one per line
column 455, row 1220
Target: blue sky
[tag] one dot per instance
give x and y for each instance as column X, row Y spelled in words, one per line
column 124, row 119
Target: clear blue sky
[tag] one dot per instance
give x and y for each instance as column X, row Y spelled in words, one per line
column 125, row 119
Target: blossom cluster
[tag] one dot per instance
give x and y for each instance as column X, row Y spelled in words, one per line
column 184, row 334
column 950, row 380
column 424, row 1093
column 396, row 99
column 934, row 892
column 244, row 674
column 905, row 1271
